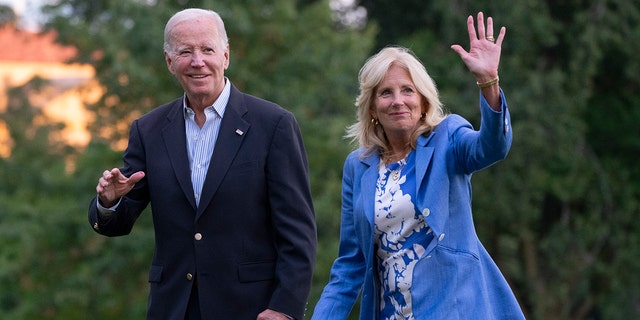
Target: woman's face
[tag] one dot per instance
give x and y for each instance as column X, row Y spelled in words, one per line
column 397, row 104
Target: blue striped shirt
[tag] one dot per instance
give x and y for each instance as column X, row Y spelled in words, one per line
column 201, row 141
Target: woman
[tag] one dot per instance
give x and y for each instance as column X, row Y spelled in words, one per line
column 407, row 239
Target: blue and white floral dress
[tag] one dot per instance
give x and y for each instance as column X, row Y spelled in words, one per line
column 401, row 236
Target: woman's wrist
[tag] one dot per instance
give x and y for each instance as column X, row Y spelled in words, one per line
column 488, row 83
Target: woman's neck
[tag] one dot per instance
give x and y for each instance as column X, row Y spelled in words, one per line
column 396, row 154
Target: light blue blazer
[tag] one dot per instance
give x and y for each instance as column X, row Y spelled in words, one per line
column 456, row 278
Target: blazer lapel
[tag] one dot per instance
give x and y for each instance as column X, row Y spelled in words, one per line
column 174, row 137
column 432, row 185
column 423, row 158
column 368, row 184
column 233, row 129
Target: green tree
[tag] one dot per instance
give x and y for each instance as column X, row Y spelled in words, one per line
column 7, row 16
column 49, row 258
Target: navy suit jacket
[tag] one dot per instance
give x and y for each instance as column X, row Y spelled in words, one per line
column 251, row 241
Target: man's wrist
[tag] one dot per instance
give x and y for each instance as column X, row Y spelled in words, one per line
column 107, row 209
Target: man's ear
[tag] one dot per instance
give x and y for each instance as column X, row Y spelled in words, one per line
column 167, row 59
column 227, row 57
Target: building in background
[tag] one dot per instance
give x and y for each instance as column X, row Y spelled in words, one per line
column 69, row 87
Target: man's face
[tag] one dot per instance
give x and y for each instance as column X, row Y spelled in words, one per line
column 198, row 58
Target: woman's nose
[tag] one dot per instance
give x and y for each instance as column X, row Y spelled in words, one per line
column 396, row 100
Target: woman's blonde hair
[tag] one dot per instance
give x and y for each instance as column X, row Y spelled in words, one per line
column 366, row 130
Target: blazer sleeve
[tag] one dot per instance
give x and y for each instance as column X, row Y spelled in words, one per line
column 131, row 205
column 476, row 150
column 347, row 272
column 293, row 218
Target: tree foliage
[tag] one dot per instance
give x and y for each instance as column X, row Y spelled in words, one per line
column 7, row 16
column 558, row 215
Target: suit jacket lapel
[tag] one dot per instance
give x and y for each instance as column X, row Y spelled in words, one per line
column 423, row 158
column 368, row 185
column 233, row 129
column 174, row 137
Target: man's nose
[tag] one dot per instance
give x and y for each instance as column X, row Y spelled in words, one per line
column 197, row 59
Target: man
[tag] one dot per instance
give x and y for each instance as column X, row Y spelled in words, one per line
column 226, row 175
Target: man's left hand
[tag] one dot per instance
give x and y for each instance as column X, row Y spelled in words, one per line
column 272, row 315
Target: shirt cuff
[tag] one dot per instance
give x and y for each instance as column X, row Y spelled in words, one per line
column 106, row 211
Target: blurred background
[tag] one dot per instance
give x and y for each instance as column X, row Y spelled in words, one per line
column 559, row 215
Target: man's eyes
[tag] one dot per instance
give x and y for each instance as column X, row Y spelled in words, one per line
column 186, row 52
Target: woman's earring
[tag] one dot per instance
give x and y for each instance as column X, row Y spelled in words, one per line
column 375, row 121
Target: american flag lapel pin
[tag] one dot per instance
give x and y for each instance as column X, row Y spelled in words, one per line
column 239, row 132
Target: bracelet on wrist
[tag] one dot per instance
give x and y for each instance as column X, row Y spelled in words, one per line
column 488, row 83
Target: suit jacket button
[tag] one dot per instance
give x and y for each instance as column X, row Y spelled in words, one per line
column 189, row 276
column 198, row 236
